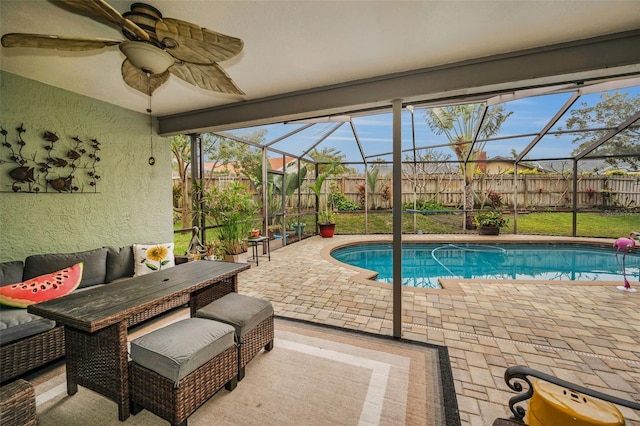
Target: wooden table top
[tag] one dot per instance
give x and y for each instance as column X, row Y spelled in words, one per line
column 96, row 308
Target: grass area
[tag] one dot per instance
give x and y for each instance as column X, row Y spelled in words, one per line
column 382, row 223
column 602, row 225
column 181, row 241
column 605, row 225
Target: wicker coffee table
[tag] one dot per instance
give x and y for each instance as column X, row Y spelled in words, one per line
column 95, row 321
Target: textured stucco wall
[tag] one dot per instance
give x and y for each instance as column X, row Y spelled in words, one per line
column 133, row 203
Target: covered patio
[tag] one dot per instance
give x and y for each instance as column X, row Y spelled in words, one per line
column 307, row 61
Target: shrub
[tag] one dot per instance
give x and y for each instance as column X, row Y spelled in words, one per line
column 495, row 199
column 424, row 205
column 491, row 218
column 341, row 203
column 615, row 173
column 385, row 193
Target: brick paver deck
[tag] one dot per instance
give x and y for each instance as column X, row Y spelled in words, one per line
column 586, row 334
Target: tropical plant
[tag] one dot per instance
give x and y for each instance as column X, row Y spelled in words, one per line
column 329, row 159
column 340, row 201
column 493, row 218
column 210, row 249
column 373, row 183
column 325, row 209
column 362, row 195
column 494, row 199
column 458, row 123
column 292, row 179
column 385, row 193
column 231, row 209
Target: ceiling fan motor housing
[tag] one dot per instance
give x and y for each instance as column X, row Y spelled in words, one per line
column 144, row 16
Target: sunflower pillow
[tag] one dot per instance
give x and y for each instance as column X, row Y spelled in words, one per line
column 152, row 257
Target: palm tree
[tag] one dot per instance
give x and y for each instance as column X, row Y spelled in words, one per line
column 374, row 185
column 459, row 123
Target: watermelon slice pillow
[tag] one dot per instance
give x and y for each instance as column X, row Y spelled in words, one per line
column 42, row 288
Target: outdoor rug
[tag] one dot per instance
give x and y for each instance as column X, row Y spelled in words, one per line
column 315, row 375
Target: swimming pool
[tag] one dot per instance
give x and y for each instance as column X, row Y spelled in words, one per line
column 424, row 264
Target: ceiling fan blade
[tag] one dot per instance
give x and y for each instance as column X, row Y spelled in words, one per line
column 210, row 77
column 102, row 10
column 54, row 42
column 138, row 79
column 195, row 44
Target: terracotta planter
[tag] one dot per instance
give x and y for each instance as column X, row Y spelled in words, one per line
column 488, row 230
column 327, row 229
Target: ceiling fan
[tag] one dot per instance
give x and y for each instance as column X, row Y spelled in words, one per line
column 156, row 47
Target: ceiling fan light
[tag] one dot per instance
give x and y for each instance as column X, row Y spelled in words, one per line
column 146, row 57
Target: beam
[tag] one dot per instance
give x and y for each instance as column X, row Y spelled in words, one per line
column 611, row 55
column 397, row 218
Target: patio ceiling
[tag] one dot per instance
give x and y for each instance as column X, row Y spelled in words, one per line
column 295, row 51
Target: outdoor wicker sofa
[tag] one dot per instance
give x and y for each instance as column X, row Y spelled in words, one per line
column 28, row 341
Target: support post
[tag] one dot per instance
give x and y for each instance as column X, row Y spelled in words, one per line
column 397, row 218
column 197, row 181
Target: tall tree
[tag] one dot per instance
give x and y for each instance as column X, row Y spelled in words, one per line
column 613, row 109
column 181, row 149
column 458, row 123
column 237, row 156
column 330, row 159
column 219, row 151
column 427, row 164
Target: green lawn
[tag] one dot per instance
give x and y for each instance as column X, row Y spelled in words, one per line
column 604, row 225
column 607, row 225
column 181, row 241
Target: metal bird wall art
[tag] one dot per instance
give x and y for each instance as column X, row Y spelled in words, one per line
column 188, row 51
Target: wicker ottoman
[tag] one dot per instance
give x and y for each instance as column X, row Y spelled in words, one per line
column 177, row 368
column 18, row 404
column 252, row 319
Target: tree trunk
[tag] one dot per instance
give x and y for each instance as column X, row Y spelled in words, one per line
column 185, row 211
column 468, row 205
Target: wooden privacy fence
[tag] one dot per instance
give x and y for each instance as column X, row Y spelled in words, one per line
column 534, row 191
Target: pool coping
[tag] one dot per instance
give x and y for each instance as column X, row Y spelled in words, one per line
column 454, row 285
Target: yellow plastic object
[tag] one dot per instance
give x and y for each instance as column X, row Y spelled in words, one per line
column 553, row 405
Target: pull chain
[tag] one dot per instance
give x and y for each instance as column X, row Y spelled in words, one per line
column 152, row 159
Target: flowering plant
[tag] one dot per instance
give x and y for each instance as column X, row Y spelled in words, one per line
column 491, row 218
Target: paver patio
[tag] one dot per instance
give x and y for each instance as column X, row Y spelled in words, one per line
column 586, row 334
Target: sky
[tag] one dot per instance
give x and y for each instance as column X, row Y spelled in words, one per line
column 529, row 116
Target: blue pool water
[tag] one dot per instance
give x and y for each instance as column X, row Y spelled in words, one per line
column 423, row 264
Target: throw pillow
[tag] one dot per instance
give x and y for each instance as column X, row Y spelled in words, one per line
column 42, row 288
column 152, row 257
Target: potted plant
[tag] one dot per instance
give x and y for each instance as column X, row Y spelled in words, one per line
column 298, row 227
column 326, row 223
column 490, row 222
column 210, row 250
column 231, row 209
